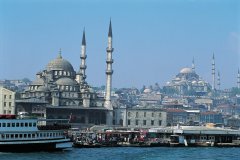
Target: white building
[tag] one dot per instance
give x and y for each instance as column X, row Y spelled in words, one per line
column 7, row 101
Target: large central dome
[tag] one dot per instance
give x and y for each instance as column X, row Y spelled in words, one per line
column 186, row 70
column 59, row 64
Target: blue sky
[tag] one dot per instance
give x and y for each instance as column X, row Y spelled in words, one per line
column 153, row 39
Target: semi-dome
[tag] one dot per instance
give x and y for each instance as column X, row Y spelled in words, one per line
column 60, row 64
column 186, row 70
column 38, row 81
column 66, row 82
column 42, row 89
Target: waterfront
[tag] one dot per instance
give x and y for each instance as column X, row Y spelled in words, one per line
column 127, row 153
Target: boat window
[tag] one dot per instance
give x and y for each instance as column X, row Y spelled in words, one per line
column 40, row 134
column 12, row 135
column 0, row 124
column 30, row 124
column 4, row 125
column 26, row 124
column 22, row 125
column 20, row 135
column 7, row 136
column 25, row 135
column 29, row 135
column 34, row 124
column 8, row 124
column 50, row 134
column 3, row 136
column 16, row 135
column 13, row 124
column 47, row 134
column 17, row 124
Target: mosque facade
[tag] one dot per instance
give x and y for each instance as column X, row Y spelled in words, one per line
column 63, row 93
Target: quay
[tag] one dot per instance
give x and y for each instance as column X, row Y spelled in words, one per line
column 177, row 136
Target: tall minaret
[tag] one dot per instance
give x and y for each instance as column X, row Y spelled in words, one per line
column 109, row 70
column 193, row 65
column 83, row 57
column 213, row 72
column 218, row 81
column 238, row 79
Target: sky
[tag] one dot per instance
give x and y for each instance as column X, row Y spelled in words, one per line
column 152, row 39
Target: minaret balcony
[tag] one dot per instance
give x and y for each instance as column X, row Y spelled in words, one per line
column 109, row 72
column 83, row 66
column 83, row 56
column 109, row 61
column 109, row 49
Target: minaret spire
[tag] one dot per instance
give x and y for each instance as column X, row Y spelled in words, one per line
column 193, row 65
column 238, row 79
column 213, row 72
column 110, row 29
column 109, row 70
column 60, row 53
column 83, row 57
column 218, row 80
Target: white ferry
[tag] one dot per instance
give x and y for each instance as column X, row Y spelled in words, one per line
column 23, row 135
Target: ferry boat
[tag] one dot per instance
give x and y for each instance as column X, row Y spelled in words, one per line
column 24, row 135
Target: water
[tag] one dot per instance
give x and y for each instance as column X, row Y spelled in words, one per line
column 127, row 153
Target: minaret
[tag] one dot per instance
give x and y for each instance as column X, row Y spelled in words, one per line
column 218, row 81
column 193, row 65
column 109, row 70
column 83, row 57
column 213, row 72
column 238, row 79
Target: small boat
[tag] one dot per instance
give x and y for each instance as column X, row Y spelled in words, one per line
column 24, row 135
column 80, row 144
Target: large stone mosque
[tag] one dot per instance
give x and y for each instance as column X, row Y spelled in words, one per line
column 59, row 92
column 187, row 81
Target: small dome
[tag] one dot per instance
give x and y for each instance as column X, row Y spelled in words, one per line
column 186, row 70
column 42, row 89
column 38, row 81
column 59, row 64
column 66, row 82
column 147, row 90
column 168, row 83
column 194, row 82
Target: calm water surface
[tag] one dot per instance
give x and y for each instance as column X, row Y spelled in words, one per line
column 126, row 153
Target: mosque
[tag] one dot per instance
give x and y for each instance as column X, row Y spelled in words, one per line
column 59, row 92
column 188, row 82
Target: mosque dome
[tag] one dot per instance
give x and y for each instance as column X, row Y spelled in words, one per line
column 59, row 64
column 38, row 81
column 186, row 70
column 66, row 82
column 42, row 89
column 147, row 90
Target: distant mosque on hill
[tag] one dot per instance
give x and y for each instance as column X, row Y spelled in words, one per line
column 188, row 82
column 63, row 91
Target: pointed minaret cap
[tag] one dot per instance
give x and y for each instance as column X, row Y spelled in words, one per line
column 110, row 29
column 60, row 53
column 83, row 38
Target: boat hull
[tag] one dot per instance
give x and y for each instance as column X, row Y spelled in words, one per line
column 33, row 146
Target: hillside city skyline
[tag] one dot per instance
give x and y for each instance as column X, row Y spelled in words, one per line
column 147, row 50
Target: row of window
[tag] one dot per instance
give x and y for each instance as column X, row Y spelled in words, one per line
column 144, row 114
column 18, row 124
column 7, row 112
column 145, row 122
column 59, row 73
column 68, row 88
column 5, row 96
column 33, row 135
column 9, row 104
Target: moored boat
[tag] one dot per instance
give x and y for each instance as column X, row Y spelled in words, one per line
column 24, row 135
